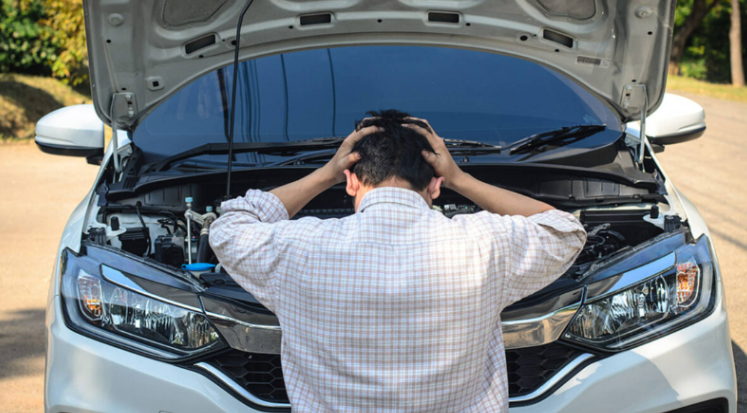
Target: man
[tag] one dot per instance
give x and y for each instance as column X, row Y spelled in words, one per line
column 395, row 308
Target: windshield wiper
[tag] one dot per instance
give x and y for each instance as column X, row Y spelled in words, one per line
column 290, row 148
column 455, row 146
column 257, row 147
column 566, row 134
column 459, row 143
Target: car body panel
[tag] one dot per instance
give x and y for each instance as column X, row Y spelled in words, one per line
column 144, row 51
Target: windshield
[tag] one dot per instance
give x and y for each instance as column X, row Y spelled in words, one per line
column 321, row 93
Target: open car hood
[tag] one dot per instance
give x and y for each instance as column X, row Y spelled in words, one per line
column 143, row 51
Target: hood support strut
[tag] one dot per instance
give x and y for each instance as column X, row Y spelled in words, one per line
column 636, row 96
column 644, row 138
column 122, row 112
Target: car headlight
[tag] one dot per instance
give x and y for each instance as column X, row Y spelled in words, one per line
column 665, row 295
column 105, row 303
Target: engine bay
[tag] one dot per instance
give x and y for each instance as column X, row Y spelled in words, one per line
column 171, row 225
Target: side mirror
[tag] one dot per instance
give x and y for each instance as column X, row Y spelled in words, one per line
column 72, row 131
column 678, row 119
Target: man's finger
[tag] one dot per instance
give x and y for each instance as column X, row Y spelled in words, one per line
column 432, row 138
column 351, row 159
column 429, row 157
column 360, row 123
column 356, row 135
column 410, row 118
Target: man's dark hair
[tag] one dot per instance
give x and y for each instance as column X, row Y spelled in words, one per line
column 394, row 152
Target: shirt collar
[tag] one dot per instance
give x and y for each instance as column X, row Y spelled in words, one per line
column 392, row 195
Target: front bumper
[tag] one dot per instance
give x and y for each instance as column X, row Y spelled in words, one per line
column 690, row 366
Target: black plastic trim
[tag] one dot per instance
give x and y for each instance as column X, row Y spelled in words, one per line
column 677, row 137
column 557, row 385
column 720, row 405
column 313, row 19
column 64, row 150
column 199, row 44
column 443, row 17
column 557, row 37
column 231, row 391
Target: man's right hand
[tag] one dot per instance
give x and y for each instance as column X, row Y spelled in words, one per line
column 442, row 162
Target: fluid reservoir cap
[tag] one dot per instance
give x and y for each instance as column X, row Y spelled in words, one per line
column 198, row 266
column 188, row 199
column 209, row 208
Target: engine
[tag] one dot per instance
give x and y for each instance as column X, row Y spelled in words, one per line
column 176, row 232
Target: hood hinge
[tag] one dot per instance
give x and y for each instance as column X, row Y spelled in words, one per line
column 635, row 96
column 122, row 113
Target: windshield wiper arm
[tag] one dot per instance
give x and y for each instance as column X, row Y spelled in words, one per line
column 290, row 148
column 576, row 132
column 257, row 147
column 460, row 143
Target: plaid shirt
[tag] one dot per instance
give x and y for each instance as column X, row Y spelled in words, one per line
column 395, row 308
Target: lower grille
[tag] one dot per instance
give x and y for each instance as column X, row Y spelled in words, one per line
column 261, row 374
column 530, row 367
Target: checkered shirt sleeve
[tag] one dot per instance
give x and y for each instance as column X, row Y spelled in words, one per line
column 247, row 241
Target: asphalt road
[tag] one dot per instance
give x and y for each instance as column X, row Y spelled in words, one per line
column 39, row 191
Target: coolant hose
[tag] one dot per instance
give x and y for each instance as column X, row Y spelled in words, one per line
column 203, row 249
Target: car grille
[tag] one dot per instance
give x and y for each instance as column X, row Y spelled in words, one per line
column 261, row 374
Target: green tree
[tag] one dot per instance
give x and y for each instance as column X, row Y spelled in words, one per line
column 25, row 44
column 706, row 55
column 68, row 31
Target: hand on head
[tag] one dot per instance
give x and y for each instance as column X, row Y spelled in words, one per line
column 411, row 155
column 345, row 158
column 441, row 161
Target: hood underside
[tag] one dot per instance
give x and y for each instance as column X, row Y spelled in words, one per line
column 143, row 51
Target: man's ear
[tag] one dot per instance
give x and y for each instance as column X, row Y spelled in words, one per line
column 353, row 184
column 434, row 187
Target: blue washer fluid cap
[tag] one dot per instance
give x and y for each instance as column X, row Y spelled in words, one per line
column 188, row 199
column 209, row 208
column 198, row 266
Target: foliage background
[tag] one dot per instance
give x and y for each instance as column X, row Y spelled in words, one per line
column 44, row 37
column 706, row 54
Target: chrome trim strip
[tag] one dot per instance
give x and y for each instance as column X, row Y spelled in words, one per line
column 630, row 278
column 254, row 337
column 555, row 379
column 119, row 278
column 248, row 337
column 243, row 323
column 238, row 389
column 540, row 330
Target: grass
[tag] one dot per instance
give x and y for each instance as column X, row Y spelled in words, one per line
column 25, row 99
column 699, row 87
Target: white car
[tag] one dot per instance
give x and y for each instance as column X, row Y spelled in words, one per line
column 563, row 101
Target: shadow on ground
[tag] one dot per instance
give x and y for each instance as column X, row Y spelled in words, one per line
column 21, row 341
column 29, row 104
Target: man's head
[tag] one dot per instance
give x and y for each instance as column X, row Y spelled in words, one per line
column 392, row 157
